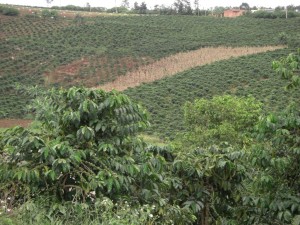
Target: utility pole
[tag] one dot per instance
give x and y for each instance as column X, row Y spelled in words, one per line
column 116, row 6
column 286, row 12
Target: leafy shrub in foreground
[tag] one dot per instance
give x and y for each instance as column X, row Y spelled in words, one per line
column 276, row 160
column 85, row 150
column 85, row 145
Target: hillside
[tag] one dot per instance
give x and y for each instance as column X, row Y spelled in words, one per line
column 247, row 75
column 176, row 63
column 63, row 52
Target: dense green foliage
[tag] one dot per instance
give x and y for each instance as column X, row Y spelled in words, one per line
column 86, row 151
column 275, row 185
column 71, row 123
column 85, row 154
column 252, row 75
column 85, row 163
column 9, row 11
column 211, row 182
column 289, row 68
column 223, row 119
column 30, row 48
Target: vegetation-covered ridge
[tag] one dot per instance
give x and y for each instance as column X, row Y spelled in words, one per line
column 97, row 50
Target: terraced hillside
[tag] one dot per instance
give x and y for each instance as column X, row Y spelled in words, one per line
column 19, row 63
column 65, row 53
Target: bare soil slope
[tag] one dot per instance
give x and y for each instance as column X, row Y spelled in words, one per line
column 7, row 123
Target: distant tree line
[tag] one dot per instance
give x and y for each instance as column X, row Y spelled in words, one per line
column 179, row 7
column 274, row 15
column 279, row 12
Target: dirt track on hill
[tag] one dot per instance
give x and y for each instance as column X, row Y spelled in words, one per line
column 180, row 62
column 7, row 123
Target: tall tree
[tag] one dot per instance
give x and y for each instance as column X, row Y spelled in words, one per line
column 88, row 6
column 179, row 6
column 136, row 6
column 188, row 8
column 245, row 6
column 125, row 3
column 183, row 7
column 196, row 5
column 143, row 8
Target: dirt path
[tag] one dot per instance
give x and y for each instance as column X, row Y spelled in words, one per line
column 7, row 123
column 180, row 62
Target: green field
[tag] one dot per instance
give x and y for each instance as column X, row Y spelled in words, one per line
column 36, row 51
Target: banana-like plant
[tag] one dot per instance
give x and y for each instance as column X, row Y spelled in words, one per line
column 289, row 69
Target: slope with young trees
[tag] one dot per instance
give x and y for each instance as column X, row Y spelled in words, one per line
column 97, row 50
column 252, row 75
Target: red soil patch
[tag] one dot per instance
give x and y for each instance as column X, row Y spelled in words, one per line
column 94, row 70
column 66, row 71
column 7, row 123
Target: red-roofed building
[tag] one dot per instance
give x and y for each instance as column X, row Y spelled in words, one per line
column 234, row 12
